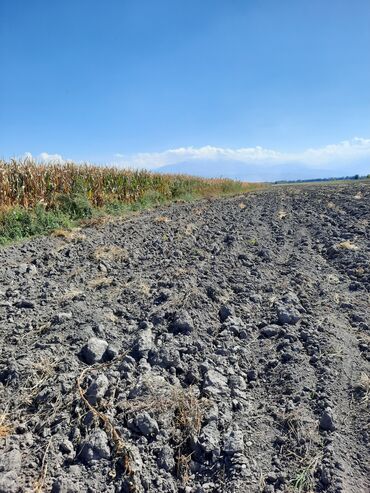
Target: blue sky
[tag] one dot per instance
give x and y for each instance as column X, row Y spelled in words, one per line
column 140, row 82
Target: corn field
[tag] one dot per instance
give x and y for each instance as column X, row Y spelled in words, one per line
column 26, row 184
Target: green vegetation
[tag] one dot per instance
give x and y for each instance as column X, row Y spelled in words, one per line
column 36, row 199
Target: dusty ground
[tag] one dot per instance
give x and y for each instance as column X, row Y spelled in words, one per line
column 219, row 346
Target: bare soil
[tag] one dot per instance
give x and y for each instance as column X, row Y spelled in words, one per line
column 217, row 346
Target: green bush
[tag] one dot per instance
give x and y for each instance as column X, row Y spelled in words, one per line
column 76, row 206
column 19, row 223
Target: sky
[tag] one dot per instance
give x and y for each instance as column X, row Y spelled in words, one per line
column 156, row 83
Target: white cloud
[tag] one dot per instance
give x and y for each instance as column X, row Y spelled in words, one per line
column 172, row 156
column 45, row 157
column 347, row 149
column 51, row 158
column 316, row 157
column 330, row 157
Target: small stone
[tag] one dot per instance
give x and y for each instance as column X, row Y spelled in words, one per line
column 237, row 405
column 270, row 330
column 9, row 482
column 66, row 447
column 97, row 389
column 237, row 382
column 288, row 315
column 271, row 478
column 215, row 294
column 325, row 477
column 209, row 439
column 94, row 350
column 65, row 485
column 244, row 334
column 252, row 375
column 11, row 460
column 95, row 447
column 225, row 312
column 326, row 421
column 102, row 267
column 147, row 425
column 61, row 317
column 215, row 383
column 10, row 374
column 111, row 352
column 22, row 268
column 32, row 269
column 166, row 357
column 144, row 342
column 165, row 459
column 233, row 442
column 24, row 304
column 182, row 323
column 10, row 467
column 211, row 413
column 286, row 356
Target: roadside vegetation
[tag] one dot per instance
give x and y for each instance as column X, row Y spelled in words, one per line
column 38, row 198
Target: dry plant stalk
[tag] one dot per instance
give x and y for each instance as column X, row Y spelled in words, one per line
column 26, row 183
column 40, row 482
column 183, row 467
column 121, row 449
column 189, row 413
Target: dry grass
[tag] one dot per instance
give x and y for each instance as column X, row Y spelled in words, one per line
column 183, row 467
column 72, row 294
column 189, row 412
column 69, row 235
column 100, row 282
column 186, row 408
column 347, row 245
column 162, row 219
column 121, row 448
column 110, row 252
column 282, row 214
column 300, row 431
column 97, row 221
column 42, row 371
column 363, row 387
column 183, row 407
column 5, row 427
column 190, row 228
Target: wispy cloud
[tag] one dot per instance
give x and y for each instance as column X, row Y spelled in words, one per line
column 315, row 157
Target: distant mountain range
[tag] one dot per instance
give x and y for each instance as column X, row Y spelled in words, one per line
column 238, row 170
